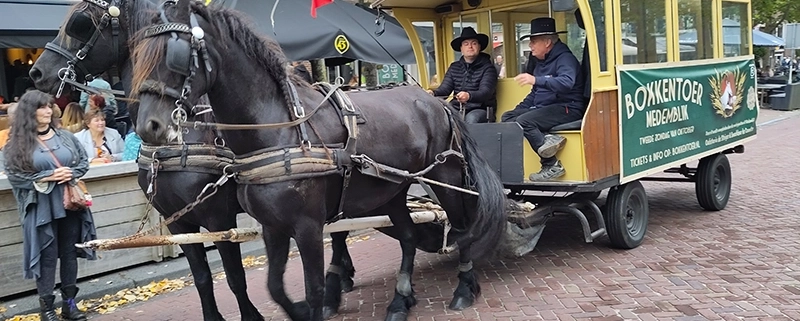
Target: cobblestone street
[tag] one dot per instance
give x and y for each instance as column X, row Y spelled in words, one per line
column 740, row 263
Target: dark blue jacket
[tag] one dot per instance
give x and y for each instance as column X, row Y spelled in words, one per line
column 479, row 79
column 558, row 80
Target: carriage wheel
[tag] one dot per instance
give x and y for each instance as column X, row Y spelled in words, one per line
column 713, row 185
column 626, row 216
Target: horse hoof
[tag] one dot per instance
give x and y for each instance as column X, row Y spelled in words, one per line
column 328, row 312
column 460, row 303
column 397, row 316
column 347, row 285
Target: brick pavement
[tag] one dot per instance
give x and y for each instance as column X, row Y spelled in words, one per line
column 694, row 265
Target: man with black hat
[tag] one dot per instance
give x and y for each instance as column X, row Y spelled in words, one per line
column 556, row 96
column 472, row 79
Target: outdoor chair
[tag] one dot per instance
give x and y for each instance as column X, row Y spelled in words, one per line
column 789, row 100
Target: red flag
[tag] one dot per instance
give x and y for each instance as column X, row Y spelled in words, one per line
column 316, row 4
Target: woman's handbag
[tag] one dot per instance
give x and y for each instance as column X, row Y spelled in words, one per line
column 76, row 197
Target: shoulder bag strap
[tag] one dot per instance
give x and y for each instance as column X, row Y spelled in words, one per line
column 49, row 151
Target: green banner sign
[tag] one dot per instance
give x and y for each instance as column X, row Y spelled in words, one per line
column 670, row 114
column 390, row 73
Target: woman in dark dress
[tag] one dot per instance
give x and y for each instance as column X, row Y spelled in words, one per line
column 38, row 180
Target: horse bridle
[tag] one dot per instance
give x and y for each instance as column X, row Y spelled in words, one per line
column 78, row 22
column 182, row 57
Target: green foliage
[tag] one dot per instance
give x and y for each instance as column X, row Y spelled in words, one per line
column 760, row 52
column 773, row 13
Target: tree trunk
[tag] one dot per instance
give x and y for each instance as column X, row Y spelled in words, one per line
column 370, row 71
column 318, row 72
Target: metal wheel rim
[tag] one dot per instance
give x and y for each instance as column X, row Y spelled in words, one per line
column 633, row 222
column 720, row 183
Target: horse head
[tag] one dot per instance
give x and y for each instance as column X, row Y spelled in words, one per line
column 94, row 38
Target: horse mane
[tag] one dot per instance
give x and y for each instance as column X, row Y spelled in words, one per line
column 140, row 16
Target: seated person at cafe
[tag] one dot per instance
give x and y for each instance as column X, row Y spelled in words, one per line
column 102, row 144
column 72, row 118
column 556, row 96
column 12, row 108
column 472, row 79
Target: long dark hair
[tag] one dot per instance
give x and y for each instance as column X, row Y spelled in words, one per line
column 23, row 133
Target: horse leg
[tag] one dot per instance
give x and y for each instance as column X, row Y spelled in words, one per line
column 198, row 263
column 404, row 293
column 308, row 236
column 337, row 275
column 457, row 206
column 468, row 288
column 232, row 263
column 347, row 264
column 277, row 245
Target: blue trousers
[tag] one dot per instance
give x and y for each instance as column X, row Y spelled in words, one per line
column 537, row 121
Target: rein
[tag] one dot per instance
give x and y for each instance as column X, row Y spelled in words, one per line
column 296, row 122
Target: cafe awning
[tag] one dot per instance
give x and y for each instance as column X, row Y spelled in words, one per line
column 31, row 23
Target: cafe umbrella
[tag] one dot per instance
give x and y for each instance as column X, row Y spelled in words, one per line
column 342, row 32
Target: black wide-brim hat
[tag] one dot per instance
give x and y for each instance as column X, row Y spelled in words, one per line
column 469, row 33
column 541, row 27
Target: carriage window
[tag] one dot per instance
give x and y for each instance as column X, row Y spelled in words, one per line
column 498, row 53
column 425, row 33
column 695, row 29
column 524, row 51
column 644, row 38
column 735, row 34
column 599, row 18
column 576, row 37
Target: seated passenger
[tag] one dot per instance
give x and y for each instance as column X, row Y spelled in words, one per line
column 556, row 96
column 472, row 79
column 102, row 144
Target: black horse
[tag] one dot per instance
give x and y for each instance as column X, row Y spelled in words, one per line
column 175, row 186
column 293, row 176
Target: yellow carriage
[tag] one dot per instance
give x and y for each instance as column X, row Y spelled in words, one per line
column 672, row 82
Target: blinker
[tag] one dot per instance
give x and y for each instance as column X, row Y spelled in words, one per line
column 80, row 27
column 179, row 55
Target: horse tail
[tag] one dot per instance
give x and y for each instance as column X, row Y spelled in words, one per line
column 488, row 221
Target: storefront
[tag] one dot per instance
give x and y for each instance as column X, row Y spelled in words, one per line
column 25, row 27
